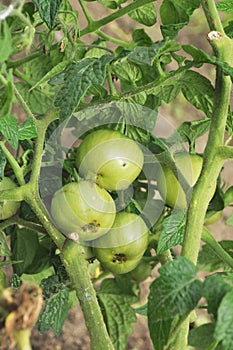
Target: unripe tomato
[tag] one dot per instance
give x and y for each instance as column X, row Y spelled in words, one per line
column 121, row 249
column 212, row 216
column 110, row 159
column 83, row 208
column 8, row 208
column 190, row 166
column 141, row 272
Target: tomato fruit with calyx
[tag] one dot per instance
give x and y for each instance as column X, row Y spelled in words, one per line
column 190, row 166
column 121, row 249
column 83, row 209
column 8, row 208
column 109, row 158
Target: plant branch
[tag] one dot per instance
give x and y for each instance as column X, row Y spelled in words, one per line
column 16, row 220
column 77, row 268
column 208, row 238
column 225, row 152
column 211, row 164
column 18, row 171
column 212, row 16
column 92, row 27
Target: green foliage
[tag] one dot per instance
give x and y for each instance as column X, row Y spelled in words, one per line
column 116, row 302
column 172, row 231
column 53, row 79
column 56, row 306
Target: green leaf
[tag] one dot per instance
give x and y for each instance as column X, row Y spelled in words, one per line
column 5, row 42
column 223, row 331
column 172, row 232
column 54, row 312
column 214, row 289
column 27, row 130
column 190, row 131
column 145, row 15
column 38, row 100
column 141, row 38
column 4, row 250
column 9, row 128
column 117, row 311
column 2, row 164
column 51, row 73
column 147, row 55
column 175, row 15
column 78, row 78
column 198, row 91
column 29, row 251
column 205, row 332
column 209, row 261
column 48, row 10
column 225, row 6
column 24, row 245
column 126, row 70
column 159, row 332
column 175, row 292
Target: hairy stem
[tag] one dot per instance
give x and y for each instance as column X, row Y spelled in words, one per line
column 113, row 16
column 216, row 247
column 18, row 171
column 77, row 268
column 212, row 164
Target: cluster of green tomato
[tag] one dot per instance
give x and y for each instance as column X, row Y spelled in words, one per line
column 108, row 162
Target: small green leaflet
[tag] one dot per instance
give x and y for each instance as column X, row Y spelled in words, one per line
column 145, row 15
column 205, row 333
column 77, row 79
column 209, row 261
column 147, row 55
column 55, row 312
column 215, row 287
column 175, row 292
column 48, row 10
column 224, row 322
column 175, row 15
column 27, row 130
column 5, row 43
column 172, row 231
column 225, row 6
column 9, row 128
column 116, row 305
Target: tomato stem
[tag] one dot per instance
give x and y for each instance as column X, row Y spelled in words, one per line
column 208, row 238
column 222, row 46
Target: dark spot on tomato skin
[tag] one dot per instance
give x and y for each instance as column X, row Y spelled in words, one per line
column 119, row 258
column 92, row 227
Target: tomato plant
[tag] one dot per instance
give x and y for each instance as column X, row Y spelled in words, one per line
column 115, row 157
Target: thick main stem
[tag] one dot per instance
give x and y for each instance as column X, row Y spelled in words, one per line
column 77, row 268
column 211, row 166
column 113, row 16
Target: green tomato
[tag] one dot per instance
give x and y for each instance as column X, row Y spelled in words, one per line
column 142, row 271
column 8, row 208
column 121, row 249
column 190, row 166
column 212, row 216
column 83, row 210
column 109, row 158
